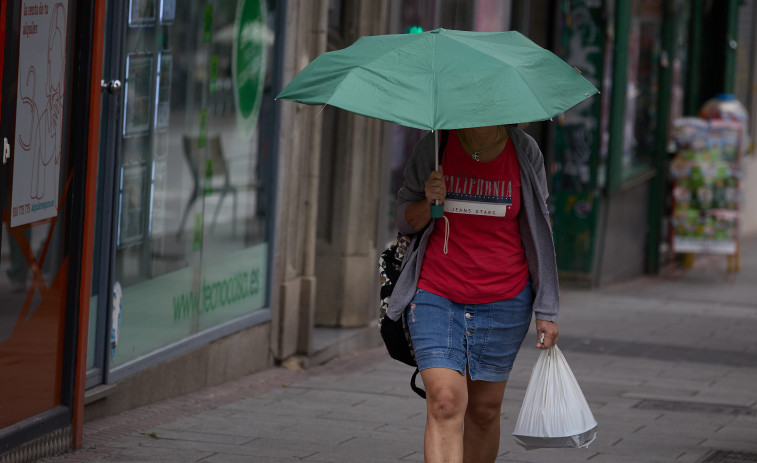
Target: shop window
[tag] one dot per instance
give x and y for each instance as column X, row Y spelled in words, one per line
column 195, row 175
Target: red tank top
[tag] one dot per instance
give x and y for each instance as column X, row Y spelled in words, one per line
column 485, row 261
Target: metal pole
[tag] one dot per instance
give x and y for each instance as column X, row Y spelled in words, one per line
column 437, row 211
column 618, row 102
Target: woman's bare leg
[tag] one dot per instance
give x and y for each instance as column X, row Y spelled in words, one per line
column 446, row 401
column 482, row 419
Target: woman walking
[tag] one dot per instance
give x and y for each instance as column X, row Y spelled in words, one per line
column 476, row 278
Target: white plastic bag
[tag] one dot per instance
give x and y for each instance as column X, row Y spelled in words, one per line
column 554, row 412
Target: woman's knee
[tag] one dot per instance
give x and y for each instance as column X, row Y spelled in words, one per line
column 483, row 413
column 446, row 402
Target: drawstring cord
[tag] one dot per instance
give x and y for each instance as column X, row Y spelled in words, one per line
column 446, row 233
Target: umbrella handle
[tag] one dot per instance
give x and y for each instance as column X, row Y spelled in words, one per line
column 437, row 210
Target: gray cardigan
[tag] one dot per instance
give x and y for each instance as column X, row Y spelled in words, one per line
column 535, row 229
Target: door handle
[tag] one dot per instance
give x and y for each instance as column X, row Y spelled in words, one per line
column 6, row 150
column 113, row 87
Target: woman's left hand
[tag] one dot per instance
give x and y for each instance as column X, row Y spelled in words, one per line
column 549, row 330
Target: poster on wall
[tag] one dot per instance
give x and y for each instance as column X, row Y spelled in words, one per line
column 141, row 13
column 39, row 111
column 706, row 171
column 131, row 205
column 137, row 95
column 167, row 11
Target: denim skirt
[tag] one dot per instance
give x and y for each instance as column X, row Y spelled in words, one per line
column 485, row 338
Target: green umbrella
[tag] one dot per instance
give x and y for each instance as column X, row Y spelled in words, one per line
column 443, row 79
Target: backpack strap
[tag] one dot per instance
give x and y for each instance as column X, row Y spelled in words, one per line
column 415, row 388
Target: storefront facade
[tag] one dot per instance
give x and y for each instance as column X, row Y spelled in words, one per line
column 605, row 148
column 611, row 155
column 138, row 191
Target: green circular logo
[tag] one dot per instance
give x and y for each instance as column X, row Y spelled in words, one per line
column 250, row 40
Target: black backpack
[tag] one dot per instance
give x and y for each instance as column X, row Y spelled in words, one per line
column 395, row 334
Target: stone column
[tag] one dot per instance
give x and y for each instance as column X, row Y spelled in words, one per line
column 297, row 209
column 346, row 241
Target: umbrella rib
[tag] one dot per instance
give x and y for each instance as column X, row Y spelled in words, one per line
column 525, row 81
column 366, row 66
column 319, row 112
column 535, row 93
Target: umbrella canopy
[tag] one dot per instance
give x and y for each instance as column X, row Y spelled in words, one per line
column 443, row 79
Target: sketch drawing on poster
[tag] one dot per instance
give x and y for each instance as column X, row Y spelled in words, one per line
column 39, row 112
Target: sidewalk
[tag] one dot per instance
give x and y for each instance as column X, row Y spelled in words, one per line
column 668, row 365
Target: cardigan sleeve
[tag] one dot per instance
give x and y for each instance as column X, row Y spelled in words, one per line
column 535, row 229
column 418, row 168
column 537, row 161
